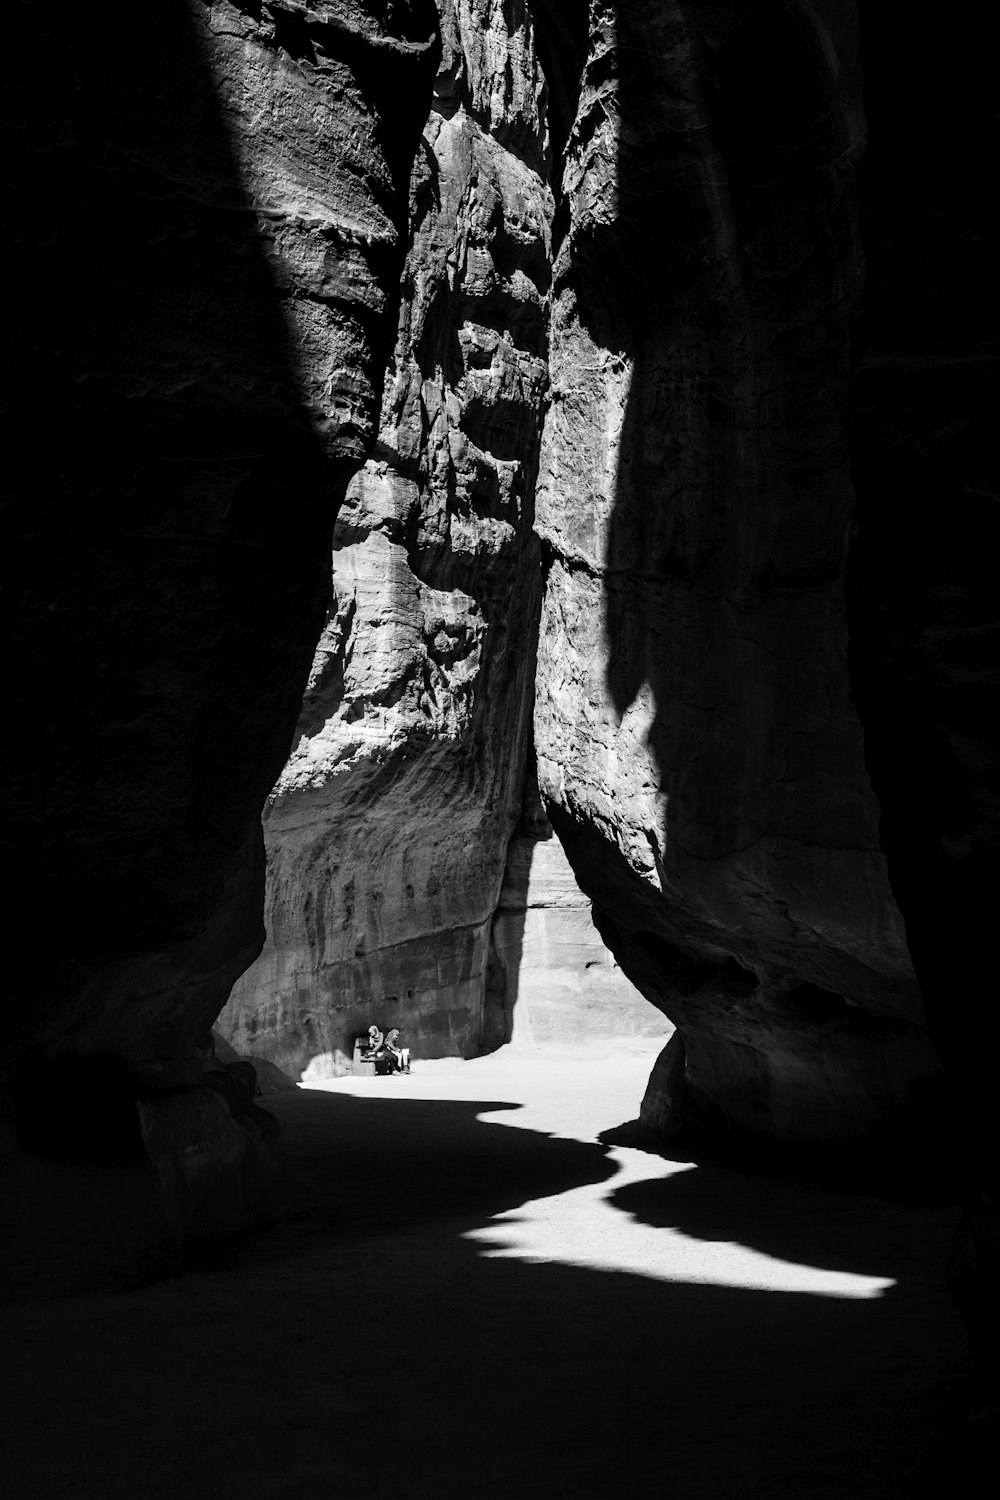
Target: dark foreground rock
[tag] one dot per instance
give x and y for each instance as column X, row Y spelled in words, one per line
column 263, row 1366
column 103, row 1190
column 205, row 268
column 925, row 609
column 750, row 275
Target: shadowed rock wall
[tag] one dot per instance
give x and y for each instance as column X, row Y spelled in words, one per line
column 698, row 748
column 753, row 305
column 387, row 832
column 206, row 259
column 925, row 615
column 697, row 745
column 925, row 609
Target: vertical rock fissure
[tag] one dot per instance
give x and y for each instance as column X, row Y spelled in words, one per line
column 654, row 242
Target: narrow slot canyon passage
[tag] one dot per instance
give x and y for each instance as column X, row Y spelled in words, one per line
column 476, row 1296
column 509, row 568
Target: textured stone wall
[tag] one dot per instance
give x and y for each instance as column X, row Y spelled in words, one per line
column 387, row 832
column 225, row 216
column 696, row 740
column 205, row 261
column 763, row 320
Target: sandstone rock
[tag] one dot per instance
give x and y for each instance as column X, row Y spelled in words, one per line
column 221, row 1051
column 270, row 1078
column 387, row 832
column 115, row 1192
column 206, row 263
column 236, row 1082
column 207, row 267
column 925, row 619
column 153, row 552
column 219, row 1161
column 697, row 745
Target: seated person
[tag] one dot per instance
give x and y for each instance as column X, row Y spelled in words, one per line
column 399, row 1057
column 373, row 1047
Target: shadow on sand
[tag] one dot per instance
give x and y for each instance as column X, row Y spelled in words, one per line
column 368, row 1348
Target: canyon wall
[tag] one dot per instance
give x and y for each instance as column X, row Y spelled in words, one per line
column 688, row 173
column 697, row 745
column 205, row 259
column 552, row 979
column 750, row 550
column 387, row 832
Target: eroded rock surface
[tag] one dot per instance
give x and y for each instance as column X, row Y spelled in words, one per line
column 696, row 740
column 207, row 255
column 387, row 832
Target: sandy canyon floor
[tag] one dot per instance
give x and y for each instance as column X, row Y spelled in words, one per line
column 477, row 1296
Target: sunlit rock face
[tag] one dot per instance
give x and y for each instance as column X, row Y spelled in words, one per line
column 552, row 980
column 208, row 248
column 387, row 832
column 697, row 744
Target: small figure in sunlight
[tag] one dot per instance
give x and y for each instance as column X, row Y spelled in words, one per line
column 373, row 1047
column 380, row 1054
column 398, row 1057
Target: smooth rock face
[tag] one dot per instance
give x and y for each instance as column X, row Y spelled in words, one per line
column 387, row 832
column 551, row 978
column 696, row 741
column 561, row 983
column 206, row 256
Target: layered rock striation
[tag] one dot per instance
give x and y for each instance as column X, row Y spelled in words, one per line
column 387, row 831
column 689, row 174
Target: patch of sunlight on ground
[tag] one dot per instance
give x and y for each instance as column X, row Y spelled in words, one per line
column 575, row 1095
column 582, row 1228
